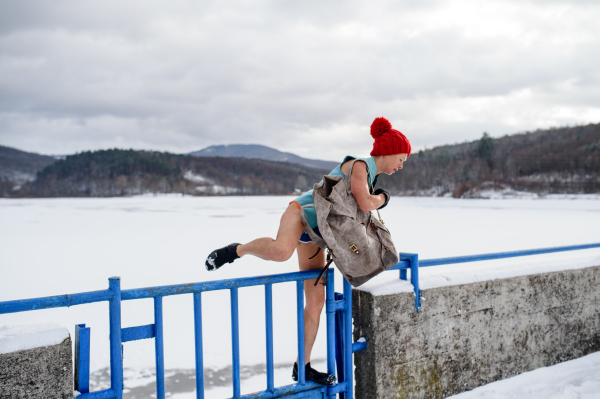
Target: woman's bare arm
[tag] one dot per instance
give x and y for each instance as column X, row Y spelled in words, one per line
column 360, row 189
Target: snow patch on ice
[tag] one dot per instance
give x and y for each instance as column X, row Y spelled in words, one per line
column 217, row 190
column 191, row 176
column 23, row 337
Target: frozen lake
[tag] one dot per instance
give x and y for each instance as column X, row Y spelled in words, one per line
column 62, row 246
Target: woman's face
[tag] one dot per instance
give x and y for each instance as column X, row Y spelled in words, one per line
column 392, row 163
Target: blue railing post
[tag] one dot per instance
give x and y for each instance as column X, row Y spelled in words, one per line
column 82, row 359
column 339, row 343
column 330, row 310
column 198, row 337
column 235, row 342
column 300, row 318
column 413, row 260
column 269, row 333
column 414, row 279
column 348, row 372
column 158, row 345
column 403, row 274
column 116, row 346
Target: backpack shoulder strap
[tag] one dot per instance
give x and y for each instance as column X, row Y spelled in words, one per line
column 349, row 175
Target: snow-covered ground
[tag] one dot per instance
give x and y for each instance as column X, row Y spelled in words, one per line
column 575, row 379
column 60, row 246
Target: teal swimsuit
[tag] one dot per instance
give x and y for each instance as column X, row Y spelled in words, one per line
column 307, row 198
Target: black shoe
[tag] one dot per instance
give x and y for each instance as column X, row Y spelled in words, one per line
column 311, row 374
column 219, row 257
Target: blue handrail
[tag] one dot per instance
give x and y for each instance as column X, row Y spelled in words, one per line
column 339, row 324
column 412, row 262
column 502, row 255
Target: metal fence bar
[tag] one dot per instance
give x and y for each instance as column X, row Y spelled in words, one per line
column 339, row 343
column 289, row 391
column 359, row 346
column 349, row 372
column 502, row 255
column 82, row 358
column 139, row 332
column 58, row 301
column 180, row 289
column 116, row 346
column 105, row 394
column 340, row 389
column 300, row 316
column 414, row 279
column 149, row 292
column 269, row 333
column 158, row 345
column 235, row 342
column 198, row 337
column 329, row 309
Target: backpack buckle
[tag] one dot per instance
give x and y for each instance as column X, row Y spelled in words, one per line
column 354, row 249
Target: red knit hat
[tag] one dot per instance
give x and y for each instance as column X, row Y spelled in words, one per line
column 388, row 141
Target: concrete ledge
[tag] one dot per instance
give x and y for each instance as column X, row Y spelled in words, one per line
column 470, row 335
column 44, row 372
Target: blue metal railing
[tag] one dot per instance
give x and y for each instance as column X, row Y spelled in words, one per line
column 339, row 326
column 411, row 262
column 118, row 335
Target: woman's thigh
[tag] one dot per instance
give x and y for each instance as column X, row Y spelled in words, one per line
column 290, row 227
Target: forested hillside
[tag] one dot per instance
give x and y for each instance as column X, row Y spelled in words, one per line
column 562, row 160
column 19, row 167
column 128, row 172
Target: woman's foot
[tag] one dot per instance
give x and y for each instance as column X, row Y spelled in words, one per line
column 311, row 374
column 219, row 257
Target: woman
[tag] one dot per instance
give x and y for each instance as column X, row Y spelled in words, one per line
column 390, row 150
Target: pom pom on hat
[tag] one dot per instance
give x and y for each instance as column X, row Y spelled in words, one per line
column 379, row 127
column 388, row 141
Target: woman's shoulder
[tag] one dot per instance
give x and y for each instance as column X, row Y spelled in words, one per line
column 367, row 168
column 349, row 159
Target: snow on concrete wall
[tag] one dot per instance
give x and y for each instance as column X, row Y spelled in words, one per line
column 18, row 338
column 35, row 362
column 469, row 335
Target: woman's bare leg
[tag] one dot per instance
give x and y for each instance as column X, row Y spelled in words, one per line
column 281, row 248
column 315, row 296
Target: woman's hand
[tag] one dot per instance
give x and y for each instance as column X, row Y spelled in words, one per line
column 360, row 189
column 385, row 193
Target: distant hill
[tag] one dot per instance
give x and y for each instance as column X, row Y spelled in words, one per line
column 561, row 160
column 19, row 166
column 261, row 152
column 116, row 172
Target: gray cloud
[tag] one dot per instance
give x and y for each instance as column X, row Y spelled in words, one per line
column 306, row 77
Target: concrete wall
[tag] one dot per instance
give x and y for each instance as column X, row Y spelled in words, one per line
column 469, row 335
column 45, row 372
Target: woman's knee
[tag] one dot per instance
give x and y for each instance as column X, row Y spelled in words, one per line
column 315, row 303
column 279, row 253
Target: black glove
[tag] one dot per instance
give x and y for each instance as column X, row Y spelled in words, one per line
column 384, row 192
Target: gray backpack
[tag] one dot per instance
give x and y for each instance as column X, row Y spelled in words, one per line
column 359, row 244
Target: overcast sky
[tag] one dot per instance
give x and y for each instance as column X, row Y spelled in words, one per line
column 306, row 76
